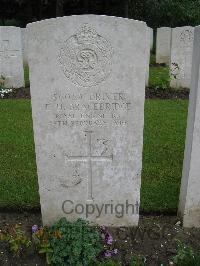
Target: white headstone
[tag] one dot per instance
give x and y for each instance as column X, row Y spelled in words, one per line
column 163, row 45
column 87, row 76
column 181, row 57
column 151, row 38
column 24, row 45
column 11, row 63
column 148, row 53
column 189, row 205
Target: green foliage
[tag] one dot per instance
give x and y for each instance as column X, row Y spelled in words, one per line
column 186, row 256
column 107, row 262
column 173, row 13
column 159, row 77
column 16, row 238
column 68, row 243
column 156, row 13
column 137, row 260
column 26, row 76
column 152, row 59
column 41, row 240
column 11, row 22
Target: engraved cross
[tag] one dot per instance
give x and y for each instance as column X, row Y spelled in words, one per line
column 89, row 158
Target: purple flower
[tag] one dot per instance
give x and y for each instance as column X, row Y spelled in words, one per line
column 108, row 254
column 34, row 228
column 115, row 251
column 109, row 240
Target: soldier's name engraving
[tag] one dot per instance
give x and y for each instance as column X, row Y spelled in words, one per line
column 88, row 109
column 103, row 106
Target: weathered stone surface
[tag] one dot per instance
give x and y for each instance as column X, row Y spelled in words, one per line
column 181, row 57
column 87, row 76
column 24, row 45
column 163, row 45
column 11, row 63
column 189, row 205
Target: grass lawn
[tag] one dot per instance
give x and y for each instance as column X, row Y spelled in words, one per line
column 18, row 183
column 164, row 135
column 164, row 141
column 26, row 76
column 158, row 75
column 152, row 58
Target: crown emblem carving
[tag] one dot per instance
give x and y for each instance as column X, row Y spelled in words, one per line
column 86, row 35
column 86, row 57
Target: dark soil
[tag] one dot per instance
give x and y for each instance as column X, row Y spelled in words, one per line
column 29, row 258
column 151, row 93
column 157, row 65
column 167, row 93
column 21, row 93
column 155, row 239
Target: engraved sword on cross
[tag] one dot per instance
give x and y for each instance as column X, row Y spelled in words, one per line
column 89, row 158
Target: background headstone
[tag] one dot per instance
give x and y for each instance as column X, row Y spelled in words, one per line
column 24, row 45
column 151, row 38
column 148, row 54
column 11, row 63
column 163, row 45
column 181, row 57
column 189, row 205
column 87, row 76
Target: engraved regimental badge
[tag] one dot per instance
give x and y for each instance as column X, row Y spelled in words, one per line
column 86, row 57
column 186, row 37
